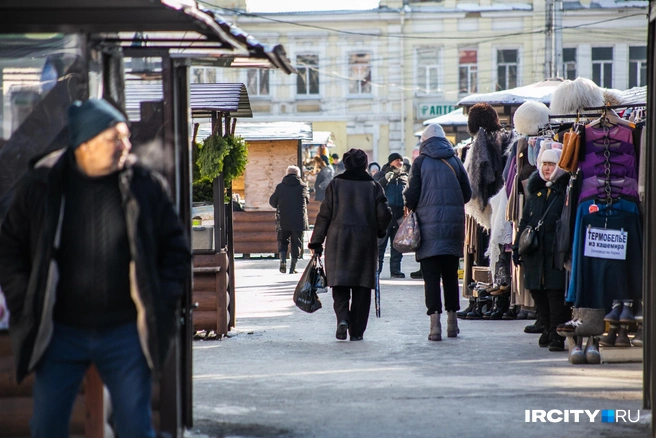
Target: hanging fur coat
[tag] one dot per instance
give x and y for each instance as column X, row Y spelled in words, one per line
column 484, row 164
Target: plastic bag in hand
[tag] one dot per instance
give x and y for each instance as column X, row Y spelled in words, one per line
column 313, row 281
column 408, row 237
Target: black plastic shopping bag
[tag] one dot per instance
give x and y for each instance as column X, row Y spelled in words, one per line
column 312, row 281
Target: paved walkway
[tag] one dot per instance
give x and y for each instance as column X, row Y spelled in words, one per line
column 283, row 373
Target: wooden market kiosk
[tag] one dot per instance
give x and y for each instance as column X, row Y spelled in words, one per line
column 52, row 53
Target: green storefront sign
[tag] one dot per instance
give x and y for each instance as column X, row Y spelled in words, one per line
column 427, row 110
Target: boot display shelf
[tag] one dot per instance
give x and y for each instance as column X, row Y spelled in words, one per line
column 620, row 354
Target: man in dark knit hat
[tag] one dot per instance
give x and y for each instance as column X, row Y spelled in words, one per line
column 393, row 178
column 93, row 262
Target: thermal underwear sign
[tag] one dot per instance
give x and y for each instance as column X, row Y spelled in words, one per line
column 606, row 244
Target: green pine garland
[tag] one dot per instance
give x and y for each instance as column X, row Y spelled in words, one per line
column 220, row 154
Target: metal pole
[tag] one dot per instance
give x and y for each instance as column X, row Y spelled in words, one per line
column 548, row 39
column 558, row 39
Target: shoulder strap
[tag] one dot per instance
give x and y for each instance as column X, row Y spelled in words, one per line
column 546, row 211
column 450, row 167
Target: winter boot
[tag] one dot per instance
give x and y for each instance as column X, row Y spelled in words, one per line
column 435, row 327
column 452, row 329
column 576, row 354
column 477, row 313
column 538, row 327
column 556, row 342
column 592, row 355
column 610, row 338
column 544, row 339
column 472, row 306
column 637, row 339
column 283, row 262
column 626, row 317
column 292, row 266
column 614, row 315
column 503, row 302
column 591, row 322
column 522, row 314
column 623, row 337
column 638, row 314
column 511, row 313
column 417, row 275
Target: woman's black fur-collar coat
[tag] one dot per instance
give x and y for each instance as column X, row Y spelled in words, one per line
column 539, row 268
column 353, row 215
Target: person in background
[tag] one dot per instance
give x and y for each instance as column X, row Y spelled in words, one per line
column 324, row 174
column 93, row 280
column 393, row 179
column 546, row 189
column 337, row 164
column 290, row 199
column 437, row 192
column 407, row 164
column 351, row 219
column 373, row 168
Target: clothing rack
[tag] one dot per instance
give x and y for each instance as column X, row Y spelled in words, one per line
column 593, row 108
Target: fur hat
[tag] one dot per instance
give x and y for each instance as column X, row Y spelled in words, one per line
column 482, row 115
column 572, row 96
column 88, row 119
column 355, row 159
column 432, row 130
column 530, row 117
column 612, row 97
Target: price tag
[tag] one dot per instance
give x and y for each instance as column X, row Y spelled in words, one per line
column 593, row 208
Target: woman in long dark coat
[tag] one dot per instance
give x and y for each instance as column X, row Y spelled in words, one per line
column 546, row 189
column 353, row 215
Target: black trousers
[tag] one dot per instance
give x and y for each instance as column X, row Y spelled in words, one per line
column 357, row 314
column 395, row 256
column 442, row 268
column 551, row 306
column 296, row 238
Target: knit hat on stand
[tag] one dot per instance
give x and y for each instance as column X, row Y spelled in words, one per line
column 355, row 159
column 88, row 119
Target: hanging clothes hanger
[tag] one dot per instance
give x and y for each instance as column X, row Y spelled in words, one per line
column 609, row 117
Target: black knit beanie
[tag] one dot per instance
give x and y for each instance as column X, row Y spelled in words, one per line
column 90, row 118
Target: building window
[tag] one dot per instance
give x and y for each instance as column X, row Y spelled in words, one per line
column 569, row 63
column 468, row 71
column 602, row 66
column 203, row 75
column 506, row 69
column 257, row 81
column 360, row 73
column 428, row 67
column 637, row 66
column 307, row 79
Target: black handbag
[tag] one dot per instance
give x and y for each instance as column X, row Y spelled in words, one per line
column 528, row 239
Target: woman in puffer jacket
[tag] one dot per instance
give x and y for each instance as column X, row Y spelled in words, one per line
column 438, row 191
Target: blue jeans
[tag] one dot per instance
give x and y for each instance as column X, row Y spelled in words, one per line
column 117, row 354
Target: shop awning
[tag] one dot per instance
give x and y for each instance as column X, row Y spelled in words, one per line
column 454, row 118
column 204, row 98
column 540, row 91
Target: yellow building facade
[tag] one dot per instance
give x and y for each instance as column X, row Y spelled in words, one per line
column 372, row 77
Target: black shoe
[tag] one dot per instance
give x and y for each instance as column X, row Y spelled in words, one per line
column 397, row 275
column 356, row 338
column 556, row 342
column 417, row 275
column 510, row 314
column 544, row 339
column 534, row 328
column 292, row 266
column 463, row 313
column 342, row 329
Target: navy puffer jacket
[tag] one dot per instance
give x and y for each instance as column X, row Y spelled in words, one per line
column 438, row 191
